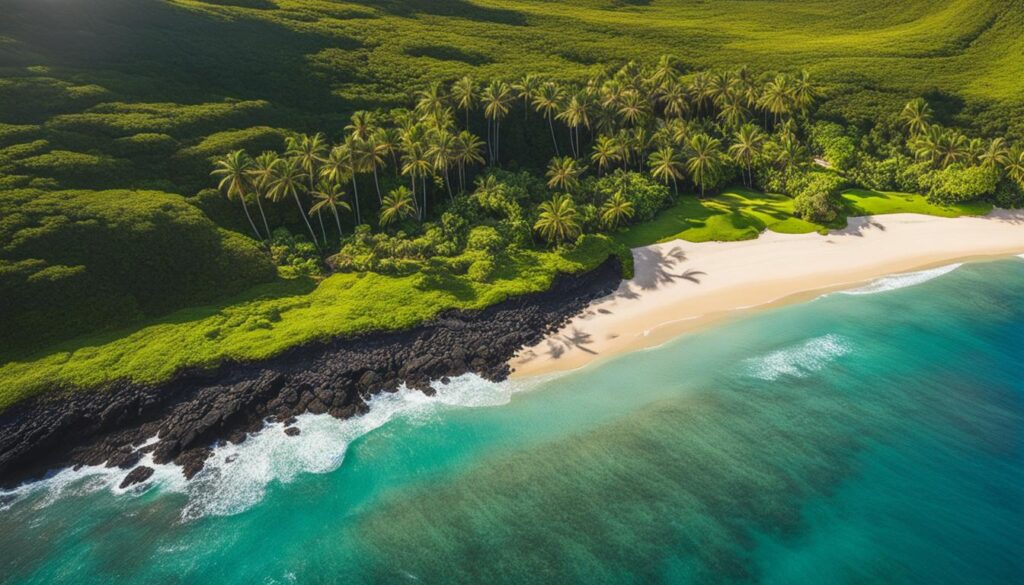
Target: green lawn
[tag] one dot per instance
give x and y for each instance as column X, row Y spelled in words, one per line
column 867, row 202
column 742, row 214
column 272, row 318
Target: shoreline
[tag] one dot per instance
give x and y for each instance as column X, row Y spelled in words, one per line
column 680, row 287
column 115, row 425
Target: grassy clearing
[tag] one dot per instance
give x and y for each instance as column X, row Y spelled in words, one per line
column 742, row 214
column 272, row 318
column 867, row 202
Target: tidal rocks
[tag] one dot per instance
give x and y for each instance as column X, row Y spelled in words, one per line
column 199, row 408
column 137, row 475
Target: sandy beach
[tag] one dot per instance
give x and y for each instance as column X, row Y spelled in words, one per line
column 681, row 286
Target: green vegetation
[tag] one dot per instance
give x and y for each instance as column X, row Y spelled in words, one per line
column 432, row 168
column 76, row 261
column 742, row 214
column 271, row 318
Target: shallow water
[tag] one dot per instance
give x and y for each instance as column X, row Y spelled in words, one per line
column 871, row 437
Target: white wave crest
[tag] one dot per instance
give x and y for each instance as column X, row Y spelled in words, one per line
column 898, row 281
column 236, row 477
column 801, row 360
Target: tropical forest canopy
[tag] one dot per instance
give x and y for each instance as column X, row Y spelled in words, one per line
column 451, row 139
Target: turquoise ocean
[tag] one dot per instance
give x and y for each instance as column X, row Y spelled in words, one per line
column 869, row 436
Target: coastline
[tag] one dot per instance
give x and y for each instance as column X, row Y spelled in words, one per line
column 681, row 286
column 123, row 423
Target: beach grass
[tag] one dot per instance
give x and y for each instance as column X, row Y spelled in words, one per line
column 271, row 318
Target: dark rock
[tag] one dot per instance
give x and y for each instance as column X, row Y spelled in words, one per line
column 137, row 475
column 199, row 408
column 292, row 431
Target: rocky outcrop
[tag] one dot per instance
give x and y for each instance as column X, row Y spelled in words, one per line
column 109, row 425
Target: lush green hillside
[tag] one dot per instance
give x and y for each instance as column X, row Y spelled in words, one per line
column 113, row 113
column 115, row 93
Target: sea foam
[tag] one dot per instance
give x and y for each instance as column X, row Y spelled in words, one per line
column 800, row 360
column 898, row 281
column 236, row 477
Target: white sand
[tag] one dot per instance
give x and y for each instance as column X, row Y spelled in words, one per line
column 679, row 286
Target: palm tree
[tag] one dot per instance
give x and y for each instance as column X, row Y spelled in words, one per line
column 261, row 173
column 704, row 161
column 995, row 154
column 557, row 219
column 527, row 88
column 329, row 195
column 916, row 116
column 362, row 125
column 731, row 110
column 952, row 148
column 233, row 171
column 1014, row 165
column 666, row 165
column 387, row 140
column 287, row 180
column 776, row 97
column 430, row 101
column 309, row 151
column 497, row 98
column 548, row 101
column 373, row 153
column 746, row 147
column 673, row 98
column 804, row 92
column 468, row 149
column 791, row 153
column 441, row 150
column 416, row 164
column 633, row 108
column 606, row 152
column 464, row 94
column 563, row 172
column 664, row 71
column 575, row 114
column 399, row 205
column 616, row 209
column 928, row 144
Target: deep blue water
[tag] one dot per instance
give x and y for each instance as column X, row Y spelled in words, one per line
column 857, row 438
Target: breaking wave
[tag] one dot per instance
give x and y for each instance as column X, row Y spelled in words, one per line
column 898, row 281
column 236, row 477
column 801, row 360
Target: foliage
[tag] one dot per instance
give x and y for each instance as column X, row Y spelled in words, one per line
column 957, row 183
column 78, row 261
column 271, row 318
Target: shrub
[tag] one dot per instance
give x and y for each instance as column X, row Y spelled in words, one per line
column 647, row 195
column 956, row 183
column 831, row 141
column 485, row 239
column 817, row 196
column 481, row 270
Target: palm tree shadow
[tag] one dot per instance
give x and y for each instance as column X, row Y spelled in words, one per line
column 654, row 268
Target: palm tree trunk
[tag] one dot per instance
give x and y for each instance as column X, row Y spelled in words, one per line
column 355, row 197
column 302, row 212
column 241, row 197
column 323, row 230
column 380, row 198
column 448, row 183
column 337, row 220
column 423, row 183
column 675, row 185
column 262, row 215
column 554, row 141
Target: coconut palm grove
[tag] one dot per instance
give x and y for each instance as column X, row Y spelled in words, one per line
column 206, row 204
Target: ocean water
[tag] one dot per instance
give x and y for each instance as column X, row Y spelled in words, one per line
column 871, row 436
